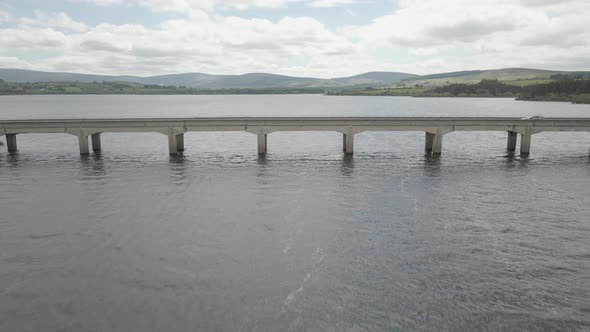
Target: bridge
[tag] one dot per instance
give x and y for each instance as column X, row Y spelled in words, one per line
column 174, row 128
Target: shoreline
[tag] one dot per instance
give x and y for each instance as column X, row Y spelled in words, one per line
column 233, row 93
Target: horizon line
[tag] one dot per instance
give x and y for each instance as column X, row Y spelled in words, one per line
column 269, row 73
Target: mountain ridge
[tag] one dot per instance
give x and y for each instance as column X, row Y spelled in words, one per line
column 502, row 74
column 267, row 80
column 205, row 81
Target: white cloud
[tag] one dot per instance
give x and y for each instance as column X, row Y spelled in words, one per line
column 31, row 39
column 187, row 5
column 482, row 34
column 422, row 36
column 4, row 17
column 52, row 20
column 430, row 51
column 537, row 3
column 332, row 3
column 202, row 43
column 13, row 62
column 104, row 2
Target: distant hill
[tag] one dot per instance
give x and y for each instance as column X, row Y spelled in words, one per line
column 208, row 81
column 264, row 80
column 20, row 75
column 474, row 76
column 253, row 80
column 372, row 77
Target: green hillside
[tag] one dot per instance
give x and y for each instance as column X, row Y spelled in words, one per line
column 208, row 81
column 474, row 76
column 375, row 80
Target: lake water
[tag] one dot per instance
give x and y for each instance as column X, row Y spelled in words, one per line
column 305, row 239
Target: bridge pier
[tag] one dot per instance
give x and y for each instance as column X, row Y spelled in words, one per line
column 11, row 142
column 262, row 143
column 172, row 145
column 525, row 143
column 429, row 142
column 83, row 142
column 96, row 146
column 343, row 142
column 511, row 144
column 180, row 142
column 349, row 143
column 437, row 146
column 433, row 143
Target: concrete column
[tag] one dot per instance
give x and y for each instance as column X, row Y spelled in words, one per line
column 429, row 142
column 262, row 143
column 349, row 143
column 95, row 142
column 511, row 144
column 180, row 142
column 83, row 141
column 172, row 145
column 525, row 143
column 11, row 142
column 437, row 144
column 344, row 142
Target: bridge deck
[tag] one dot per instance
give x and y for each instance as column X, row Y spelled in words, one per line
column 174, row 128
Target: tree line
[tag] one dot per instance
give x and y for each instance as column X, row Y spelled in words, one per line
column 44, row 88
column 577, row 91
column 574, row 90
column 485, row 88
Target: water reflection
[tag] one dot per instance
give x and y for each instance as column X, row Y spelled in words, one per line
column 432, row 161
column 511, row 160
column 92, row 166
column 524, row 161
column 347, row 165
column 262, row 171
column 178, row 165
column 13, row 159
column 262, row 160
column 510, row 155
column 432, row 171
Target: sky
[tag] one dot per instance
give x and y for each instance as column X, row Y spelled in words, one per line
column 316, row 38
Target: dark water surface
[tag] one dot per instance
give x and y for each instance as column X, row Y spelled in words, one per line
column 305, row 239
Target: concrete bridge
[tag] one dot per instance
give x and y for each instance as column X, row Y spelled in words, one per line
column 174, row 128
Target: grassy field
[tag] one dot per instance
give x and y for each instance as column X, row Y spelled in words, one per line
column 443, row 81
column 520, row 75
column 526, row 82
column 462, row 80
column 66, row 88
column 575, row 91
column 389, row 91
